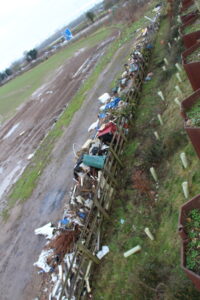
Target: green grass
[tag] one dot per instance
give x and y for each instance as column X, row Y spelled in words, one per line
column 194, row 114
column 193, row 27
column 192, row 225
column 194, row 56
column 157, row 267
column 18, row 90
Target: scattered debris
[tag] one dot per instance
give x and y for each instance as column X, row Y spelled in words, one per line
column 105, row 250
column 132, row 251
column 148, row 233
column 47, row 230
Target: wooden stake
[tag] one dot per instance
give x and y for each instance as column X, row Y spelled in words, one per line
column 85, row 251
column 111, row 176
column 101, row 209
column 116, row 156
column 122, row 134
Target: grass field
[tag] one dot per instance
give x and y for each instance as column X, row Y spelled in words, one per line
column 155, row 272
column 18, row 90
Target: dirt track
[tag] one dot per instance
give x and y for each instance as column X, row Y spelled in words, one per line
column 20, row 136
column 19, row 247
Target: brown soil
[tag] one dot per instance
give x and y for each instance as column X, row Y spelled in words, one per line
column 19, row 247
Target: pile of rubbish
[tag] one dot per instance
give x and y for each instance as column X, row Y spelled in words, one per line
column 65, row 256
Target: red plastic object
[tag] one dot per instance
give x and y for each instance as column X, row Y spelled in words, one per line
column 185, row 208
column 109, row 128
column 193, row 132
column 192, row 69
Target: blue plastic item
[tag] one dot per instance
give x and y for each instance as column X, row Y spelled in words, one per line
column 102, row 116
column 113, row 103
column 64, row 221
column 149, row 46
column 82, row 215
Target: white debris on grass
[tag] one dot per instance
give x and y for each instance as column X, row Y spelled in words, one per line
column 105, row 250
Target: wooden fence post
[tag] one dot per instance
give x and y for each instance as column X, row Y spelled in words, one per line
column 85, row 251
column 116, row 156
column 102, row 210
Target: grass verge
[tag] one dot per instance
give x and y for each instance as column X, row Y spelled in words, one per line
column 155, row 272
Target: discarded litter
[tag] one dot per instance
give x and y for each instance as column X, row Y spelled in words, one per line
column 104, row 98
column 42, row 260
column 132, row 251
column 93, row 126
column 94, row 161
column 105, row 250
column 148, row 233
column 46, row 230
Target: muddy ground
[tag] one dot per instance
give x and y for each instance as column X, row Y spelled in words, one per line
column 19, row 247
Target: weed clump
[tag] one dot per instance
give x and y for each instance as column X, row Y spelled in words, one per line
column 153, row 154
column 173, row 141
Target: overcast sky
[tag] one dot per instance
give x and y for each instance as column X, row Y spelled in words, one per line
column 26, row 23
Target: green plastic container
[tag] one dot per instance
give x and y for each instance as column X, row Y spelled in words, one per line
column 94, row 161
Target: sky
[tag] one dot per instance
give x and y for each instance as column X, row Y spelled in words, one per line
column 26, row 23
